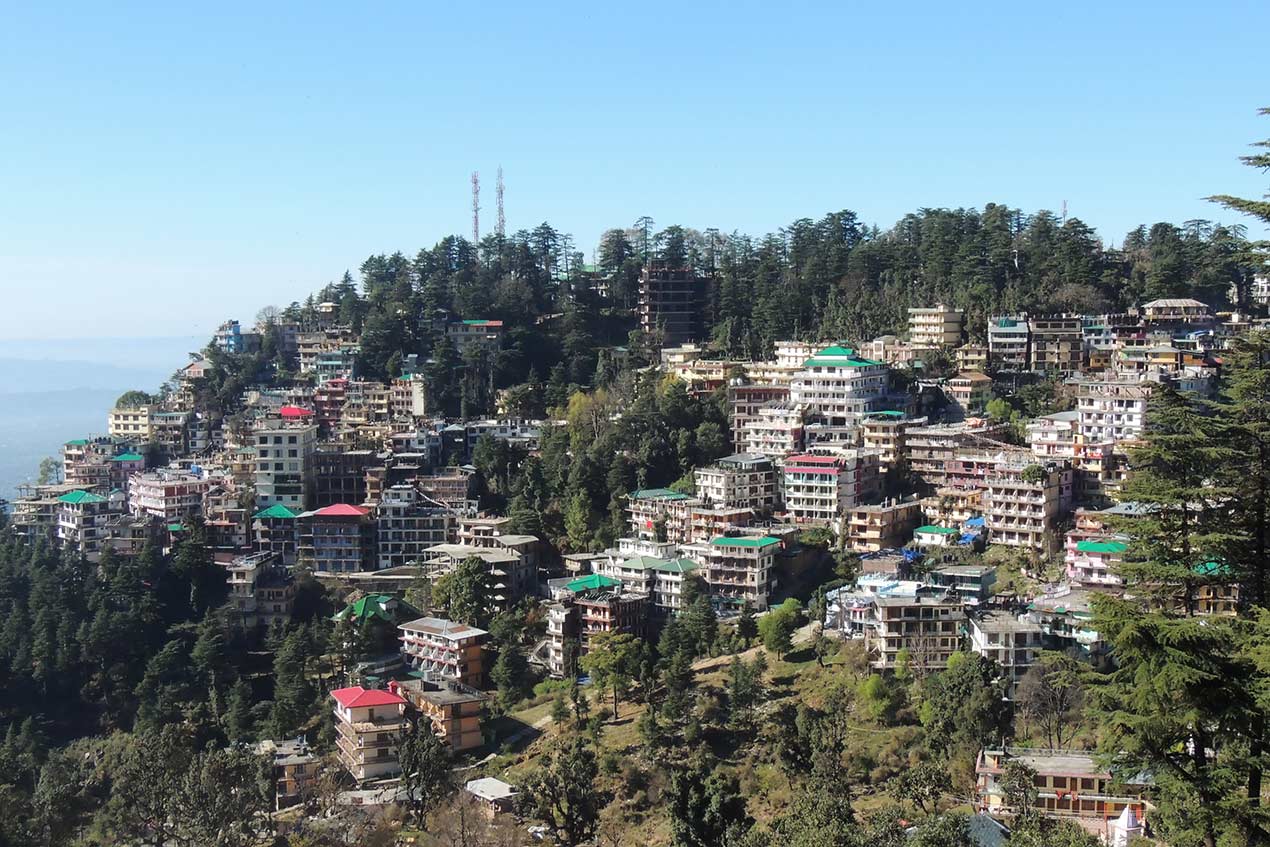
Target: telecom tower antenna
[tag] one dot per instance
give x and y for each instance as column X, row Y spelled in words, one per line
column 476, row 207
column 498, row 191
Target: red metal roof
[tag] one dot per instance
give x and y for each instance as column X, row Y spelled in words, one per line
column 356, row 697
column 342, row 510
column 294, row 412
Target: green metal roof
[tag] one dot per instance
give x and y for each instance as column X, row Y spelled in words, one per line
column 765, row 541
column 836, row 350
column 938, row 530
column 642, row 562
column 594, row 580
column 176, row 527
column 129, row 457
column 1212, row 568
column 365, row 608
column 658, row 494
column 277, row 510
column 677, row 566
column 1101, row 546
column 822, row 361
column 77, row 442
column 80, row 497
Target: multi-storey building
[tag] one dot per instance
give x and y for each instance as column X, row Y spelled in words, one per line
column 778, row 430
column 927, row 625
column 575, row 621
column 1176, row 312
column 1024, row 502
column 745, row 400
column 131, row 424
column 1112, row 409
column 1054, row 436
column 1068, row 783
column 406, row 525
column 478, row 332
column 1012, row 642
column 1008, row 343
column 368, row 728
column 939, row 326
column 449, row 486
column 930, row 449
column 739, row 569
column 742, row 480
column 970, row 391
column 882, row 526
column 972, row 357
column 275, row 530
column 445, row 650
column 454, row 710
column 1057, row 343
column 167, row 494
column 820, row 489
column 83, row 518
column 670, row 302
column 284, row 472
column 171, row 431
column 840, row 387
column 1092, row 561
column 884, row 432
column 659, row 514
column 336, row 539
column 261, row 590
column 339, row 476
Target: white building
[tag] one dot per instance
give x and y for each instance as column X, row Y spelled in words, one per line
column 820, row 489
column 742, row 480
column 839, row 386
column 283, row 456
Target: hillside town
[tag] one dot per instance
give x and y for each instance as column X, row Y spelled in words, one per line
column 953, row 522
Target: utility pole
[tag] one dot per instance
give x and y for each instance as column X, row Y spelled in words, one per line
column 498, row 190
column 476, row 208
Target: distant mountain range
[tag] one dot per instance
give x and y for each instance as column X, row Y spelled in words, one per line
column 54, row 390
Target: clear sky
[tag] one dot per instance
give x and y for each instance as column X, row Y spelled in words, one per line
column 164, row 166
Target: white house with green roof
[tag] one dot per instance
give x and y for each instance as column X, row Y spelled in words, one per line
column 82, row 520
column 739, row 568
column 660, row 578
column 1094, row 561
column 935, row 536
column 839, row 385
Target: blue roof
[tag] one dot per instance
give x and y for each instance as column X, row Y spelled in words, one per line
column 974, row 522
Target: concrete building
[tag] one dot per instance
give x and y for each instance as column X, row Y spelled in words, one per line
column 972, row 357
column 884, row 432
column 167, row 494
column 742, row 480
column 336, row 539
column 368, row 728
column 407, row 524
column 274, row 530
column 1024, row 502
column 819, row 490
column 839, row 387
column 453, row 708
column 83, row 518
column 925, row 624
column 445, row 650
column 597, row 606
column 1069, row 784
column 670, row 302
column 740, row 569
column 130, row 424
column 1008, row 343
column 938, row 326
column 778, row 430
column 339, row 476
column 929, row 450
column 261, row 590
column 1175, row 312
column 1057, row 343
column 284, row 473
column 931, row 535
column 1093, row 562
column 295, row 769
column 1013, row 643
column 482, row 333
column 970, row 391
column 882, row 526
column 1112, row 409
column 1055, row 436
column 745, row 400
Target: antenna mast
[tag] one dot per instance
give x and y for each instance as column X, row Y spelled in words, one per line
column 476, row 207
column 498, row 190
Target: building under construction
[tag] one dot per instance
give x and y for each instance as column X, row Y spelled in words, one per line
column 673, row 301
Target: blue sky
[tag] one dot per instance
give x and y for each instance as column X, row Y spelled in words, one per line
column 162, row 168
